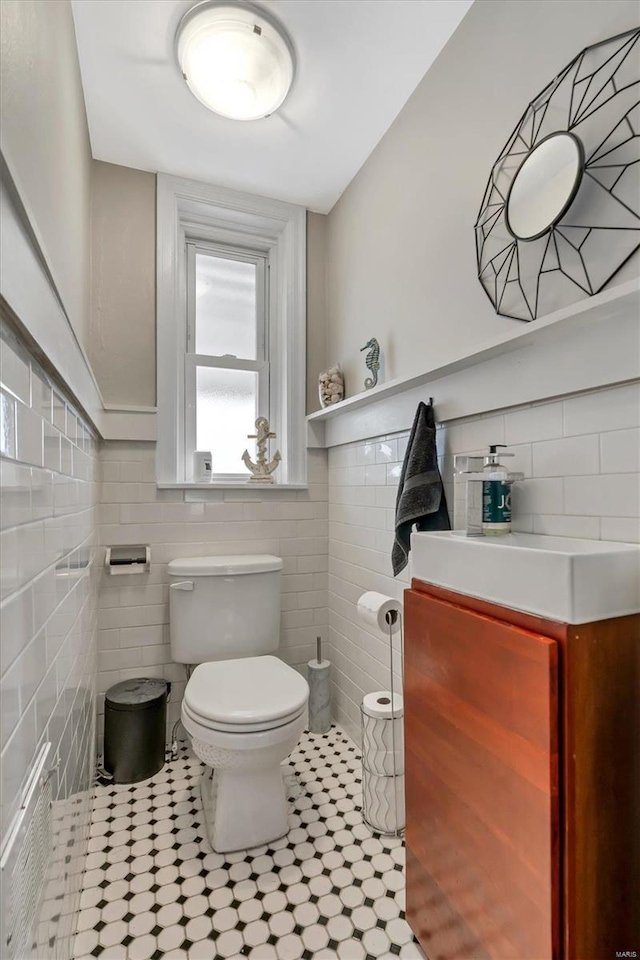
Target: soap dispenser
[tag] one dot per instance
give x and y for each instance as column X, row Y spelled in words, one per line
column 496, row 494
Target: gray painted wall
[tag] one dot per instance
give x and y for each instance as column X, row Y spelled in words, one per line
column 45, row 141
column 401, row 254
column 122, row 345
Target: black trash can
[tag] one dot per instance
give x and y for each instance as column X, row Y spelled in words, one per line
column 135, row 715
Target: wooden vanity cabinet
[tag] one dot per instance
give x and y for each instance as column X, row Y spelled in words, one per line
column 522, row 741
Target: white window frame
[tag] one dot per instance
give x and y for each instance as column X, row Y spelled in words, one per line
column 215, row 216
column 194, row 360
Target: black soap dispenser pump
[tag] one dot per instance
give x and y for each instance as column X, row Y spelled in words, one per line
column 496, row 494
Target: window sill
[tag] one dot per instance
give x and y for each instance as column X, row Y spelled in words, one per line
column 237, row 485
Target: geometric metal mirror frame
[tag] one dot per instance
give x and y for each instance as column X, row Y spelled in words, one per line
column 596, row 100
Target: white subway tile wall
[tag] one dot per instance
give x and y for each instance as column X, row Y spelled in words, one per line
column 581, row 459
column 361, row 520
column 134, row 608
column 48, row 618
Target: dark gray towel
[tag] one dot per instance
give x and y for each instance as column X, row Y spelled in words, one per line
column 421, row 499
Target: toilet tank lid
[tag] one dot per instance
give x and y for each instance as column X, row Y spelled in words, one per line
column 224, row 566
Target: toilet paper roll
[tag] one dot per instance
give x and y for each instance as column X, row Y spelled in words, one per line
column 379, row 737
column 373, row 608
column 378, row 704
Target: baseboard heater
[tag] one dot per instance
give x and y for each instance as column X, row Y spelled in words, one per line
column 25, row 862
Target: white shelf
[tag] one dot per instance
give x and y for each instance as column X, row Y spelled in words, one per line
column 607, row 304
column 242, row 485
column 588, row 346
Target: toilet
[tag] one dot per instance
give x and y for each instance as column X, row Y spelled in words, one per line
column 243, row 708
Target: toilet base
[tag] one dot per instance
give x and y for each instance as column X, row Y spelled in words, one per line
column 243, row 790
column 243, row 808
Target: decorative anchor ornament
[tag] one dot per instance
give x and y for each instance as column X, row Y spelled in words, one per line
column 372, row 361
column 261, row 470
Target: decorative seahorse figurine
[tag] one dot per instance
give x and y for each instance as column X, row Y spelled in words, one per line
column 261, row 470
column 372, row 360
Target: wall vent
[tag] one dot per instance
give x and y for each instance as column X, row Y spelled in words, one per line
column 24, row 864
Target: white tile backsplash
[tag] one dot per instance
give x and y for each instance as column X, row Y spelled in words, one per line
column 7, row 425
column 602, row 410
column 51, row 451
column 538, row 495
column 29, row 431
column 375, row 475
column 134, row 609
column 48, row 621
column 465, row 436
column 581, row 470
column 542, row 422
column 625, row 529
column 606, row 495
column 620, row 451
column 15, row 372
column 40, row 395
column 571, row 455
column 58, row 411
column 387, row 451
column 561, row 525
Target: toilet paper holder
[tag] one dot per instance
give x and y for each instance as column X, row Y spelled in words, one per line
column 381, row 813
column 129, row 558
column 383, row 803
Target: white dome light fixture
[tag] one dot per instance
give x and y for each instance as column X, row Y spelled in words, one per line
column 236, row 58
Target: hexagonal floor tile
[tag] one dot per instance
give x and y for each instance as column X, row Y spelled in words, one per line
column 328, row 889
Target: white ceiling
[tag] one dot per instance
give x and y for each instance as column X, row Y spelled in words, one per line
column 358, row 63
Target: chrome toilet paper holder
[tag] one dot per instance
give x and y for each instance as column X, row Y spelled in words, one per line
column 384, row 611
column 128, row 558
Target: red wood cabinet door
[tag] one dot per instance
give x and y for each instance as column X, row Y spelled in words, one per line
column 481, row 740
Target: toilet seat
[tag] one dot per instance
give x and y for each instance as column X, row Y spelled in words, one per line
column 248, row 736
column 249, row 695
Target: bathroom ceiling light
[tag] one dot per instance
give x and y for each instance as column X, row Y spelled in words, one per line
column 236, row 58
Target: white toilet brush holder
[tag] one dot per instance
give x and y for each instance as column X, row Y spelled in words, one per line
column 319, row 692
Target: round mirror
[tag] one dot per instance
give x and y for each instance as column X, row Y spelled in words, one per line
column 544, row 186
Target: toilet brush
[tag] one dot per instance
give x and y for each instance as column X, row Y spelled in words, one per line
column 319, row 692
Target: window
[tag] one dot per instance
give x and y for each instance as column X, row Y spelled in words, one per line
column 227, row 354
column 231, row 330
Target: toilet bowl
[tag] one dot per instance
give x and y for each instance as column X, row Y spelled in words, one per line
column 243, row 708
column 244, row 717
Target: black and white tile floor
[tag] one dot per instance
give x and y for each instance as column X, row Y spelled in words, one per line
column 153, row 888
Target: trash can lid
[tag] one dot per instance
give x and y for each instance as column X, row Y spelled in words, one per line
column 139, row 693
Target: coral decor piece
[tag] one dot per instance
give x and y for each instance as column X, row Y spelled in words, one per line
column 261, row 470
column 331, row 386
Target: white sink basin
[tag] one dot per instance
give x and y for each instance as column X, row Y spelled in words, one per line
column 572, row 581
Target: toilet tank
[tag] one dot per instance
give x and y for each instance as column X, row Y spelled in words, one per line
column 222, row 608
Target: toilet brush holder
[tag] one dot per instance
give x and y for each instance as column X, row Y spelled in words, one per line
column 319, row 693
